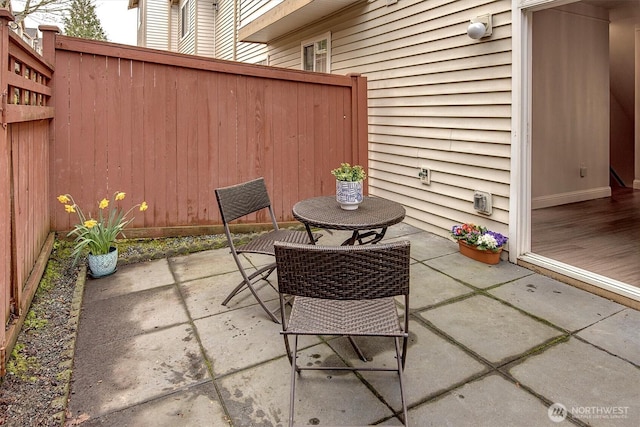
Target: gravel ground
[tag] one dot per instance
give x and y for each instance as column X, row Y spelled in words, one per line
column 34, row 391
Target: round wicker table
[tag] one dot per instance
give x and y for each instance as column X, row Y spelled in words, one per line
column 373, row 214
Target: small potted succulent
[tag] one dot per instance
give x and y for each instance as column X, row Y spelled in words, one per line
column 98, row 235
column 479, row 243
column 349, row 191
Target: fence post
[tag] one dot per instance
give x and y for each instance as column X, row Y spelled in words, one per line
column 49, row 42
column 6, row 254
column 360, row 121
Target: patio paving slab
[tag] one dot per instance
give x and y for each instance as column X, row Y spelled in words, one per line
column 430, row 287
column 563, row 305
column 241, row 338
column 123, row 373
column 489, row 402
column 618, row 334
column 204, row 297
column 129, row 279
column 491, row 329
column 433, row 365
column 587, row 381
column 476, row 273
column 425, row 246
column 260, row 396
column 139, row 312
column 193, row 406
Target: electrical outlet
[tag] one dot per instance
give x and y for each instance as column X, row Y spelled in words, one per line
column 583, row 171
column 425, row 175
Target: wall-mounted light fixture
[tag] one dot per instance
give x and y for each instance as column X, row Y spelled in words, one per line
column 480, row 27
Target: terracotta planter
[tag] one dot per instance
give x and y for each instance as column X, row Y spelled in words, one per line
column 486, row 256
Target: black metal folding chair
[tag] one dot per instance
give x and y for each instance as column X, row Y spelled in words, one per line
column 243, row 199
column 345, row 291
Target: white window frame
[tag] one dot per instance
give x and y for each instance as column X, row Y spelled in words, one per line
column 185, row 19
column 311, row 42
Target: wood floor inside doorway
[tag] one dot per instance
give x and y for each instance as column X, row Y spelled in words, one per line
column 601, row 236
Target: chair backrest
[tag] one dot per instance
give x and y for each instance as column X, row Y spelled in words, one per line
column 242, row 199
column 344, row 272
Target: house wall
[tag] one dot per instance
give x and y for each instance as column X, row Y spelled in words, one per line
column 205, row 29
column 436, row 99
column 187, row 44
column 174, row 27
column 155, row 28
column 253, row 53
column 570, row 106
column 622, row 52
column 225, row 30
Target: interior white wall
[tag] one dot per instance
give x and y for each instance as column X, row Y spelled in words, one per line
column 570, row 105
column 622, row 69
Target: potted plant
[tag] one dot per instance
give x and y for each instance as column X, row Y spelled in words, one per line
column 349, row 180
column 98, row 235
column 479, row 243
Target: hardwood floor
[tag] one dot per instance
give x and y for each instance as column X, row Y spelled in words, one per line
column 601, row 236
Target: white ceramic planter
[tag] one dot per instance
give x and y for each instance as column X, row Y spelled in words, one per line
column 349, row 194
column 103, row 265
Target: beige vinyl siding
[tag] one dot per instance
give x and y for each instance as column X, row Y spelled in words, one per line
column 252, row 52
column 225, row 24
column 205, row 29
column 174, row 30
column 250, row 9
column 187, row 44
column 156, row 28
column 437, row 99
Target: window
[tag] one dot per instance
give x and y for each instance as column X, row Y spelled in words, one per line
column 316, row 54
column 184, row 18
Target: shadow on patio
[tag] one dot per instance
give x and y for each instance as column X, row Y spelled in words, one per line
column 490, row 345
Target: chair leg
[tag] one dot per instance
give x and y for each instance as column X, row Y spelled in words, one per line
column 294, row 371
column 400, row 360
column 248, row 283
column 250, row 279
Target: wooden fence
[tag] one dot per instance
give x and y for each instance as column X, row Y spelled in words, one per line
column 169, row 128
column 25, row 241
column 92, row 118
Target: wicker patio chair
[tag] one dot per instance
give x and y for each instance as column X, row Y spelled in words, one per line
column 243, row 199
column 344, row 291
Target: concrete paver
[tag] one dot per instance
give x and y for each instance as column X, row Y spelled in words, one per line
column 489, row 402
column 563, row 305
column 618, row 334
column 587, row 381
column 489, row 346
column 490, row 328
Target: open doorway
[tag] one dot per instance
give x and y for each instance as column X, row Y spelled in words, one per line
column 584, row 155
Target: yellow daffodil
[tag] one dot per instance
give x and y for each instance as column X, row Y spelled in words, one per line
column 109, row 224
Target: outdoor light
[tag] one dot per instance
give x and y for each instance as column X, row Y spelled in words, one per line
column 480, row 27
